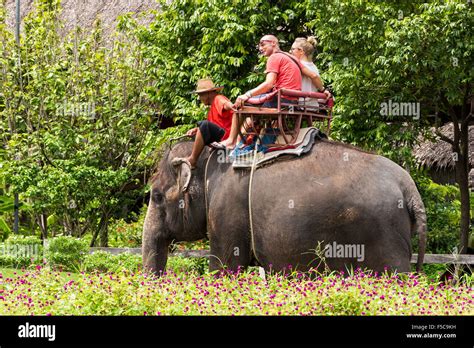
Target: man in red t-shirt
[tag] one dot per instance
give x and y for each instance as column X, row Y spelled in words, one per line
column 219, row 119
column 282, row 71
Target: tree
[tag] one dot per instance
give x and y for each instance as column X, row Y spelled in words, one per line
column 79, row 122
column 385, row 52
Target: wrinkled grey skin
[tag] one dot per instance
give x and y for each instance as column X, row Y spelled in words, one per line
column 335, row 193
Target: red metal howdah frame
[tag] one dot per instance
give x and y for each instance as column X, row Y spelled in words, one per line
column 286, row 117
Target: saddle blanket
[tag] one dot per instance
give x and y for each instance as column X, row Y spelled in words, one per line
column 302, row 145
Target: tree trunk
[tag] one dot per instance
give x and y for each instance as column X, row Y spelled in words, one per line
column 104, row 231
column 462, row 178
column 94, row 237
column 43, row 224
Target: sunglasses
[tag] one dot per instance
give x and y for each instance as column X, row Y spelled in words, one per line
column 263, row 42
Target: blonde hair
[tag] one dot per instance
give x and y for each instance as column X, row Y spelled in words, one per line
column 308, row 45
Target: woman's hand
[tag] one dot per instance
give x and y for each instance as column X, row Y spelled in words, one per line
column 328, row 94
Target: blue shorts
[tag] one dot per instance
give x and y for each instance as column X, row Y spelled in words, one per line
column 273, row 103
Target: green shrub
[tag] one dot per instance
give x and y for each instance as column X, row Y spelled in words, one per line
column 178, row 264
column 101, row 261
column 23, row 240
column 202, row 244
column 443, row 210
column 129, row 262
column 21, row 251
column 66, row 252
column 435, row 271
column 123, row 234
column 123, row 293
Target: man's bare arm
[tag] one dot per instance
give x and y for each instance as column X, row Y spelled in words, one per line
column 264, row 86
column 228, row 106
column 261, row 88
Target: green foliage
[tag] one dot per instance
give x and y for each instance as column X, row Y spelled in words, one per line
column 66, row 252
column 125, row 234
column 21, row 251
column 102, row 262
column 179, row 264
column 443, row 215
column 202, row 244
column 75, row 120
column 41, row 292
column 23, row 240
column 408, row 51
column 7, row 202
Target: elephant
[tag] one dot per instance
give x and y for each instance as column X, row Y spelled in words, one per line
column 336, row 195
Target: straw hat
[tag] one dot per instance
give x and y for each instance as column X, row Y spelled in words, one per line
column 206, row 85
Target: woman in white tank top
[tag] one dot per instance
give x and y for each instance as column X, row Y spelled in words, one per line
column 303, row 49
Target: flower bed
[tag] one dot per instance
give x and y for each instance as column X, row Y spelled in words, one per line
column 45, row 292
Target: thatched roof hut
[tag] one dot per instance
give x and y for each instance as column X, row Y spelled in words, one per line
column 438, row 157
column 83, row 13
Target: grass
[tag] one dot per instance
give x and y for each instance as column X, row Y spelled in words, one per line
column 41, row 291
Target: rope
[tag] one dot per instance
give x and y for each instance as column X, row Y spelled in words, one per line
column 205, row 193
column 252, row 170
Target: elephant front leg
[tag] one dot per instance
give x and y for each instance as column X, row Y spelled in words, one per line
column 154, row 245
column 228, row 226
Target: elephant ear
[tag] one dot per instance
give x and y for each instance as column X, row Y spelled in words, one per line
column 183, row 169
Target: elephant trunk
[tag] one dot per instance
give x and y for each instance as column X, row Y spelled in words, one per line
column 154, row 243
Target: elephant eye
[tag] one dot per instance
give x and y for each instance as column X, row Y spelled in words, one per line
column 157, row 196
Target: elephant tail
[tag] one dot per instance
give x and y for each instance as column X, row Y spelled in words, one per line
column 417, row 212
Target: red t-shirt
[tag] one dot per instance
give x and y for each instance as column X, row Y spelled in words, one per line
column 219, row 116
column 287, row 70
